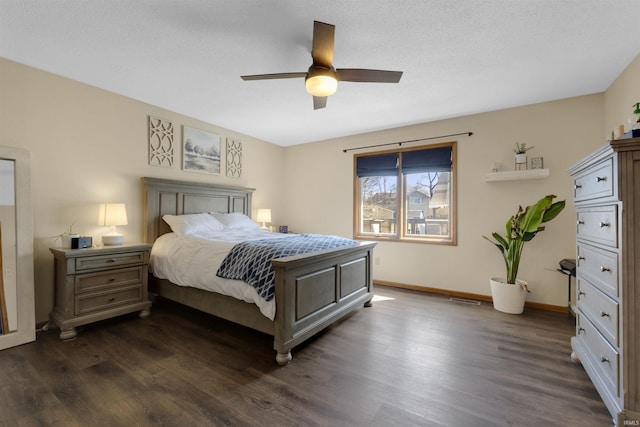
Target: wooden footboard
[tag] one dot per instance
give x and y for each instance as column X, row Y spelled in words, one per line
column 312, row 290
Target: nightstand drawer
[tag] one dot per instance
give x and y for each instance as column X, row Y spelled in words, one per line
column 109, row 261
column 104, row 300
column 598, row 224
column 600, row 267
column 601, row 310
column 108, row 279
column 594, row 182
column 602, row 356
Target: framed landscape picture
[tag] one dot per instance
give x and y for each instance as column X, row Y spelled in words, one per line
column 200, row 151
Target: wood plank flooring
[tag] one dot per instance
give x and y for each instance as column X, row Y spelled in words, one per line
column 413, row 359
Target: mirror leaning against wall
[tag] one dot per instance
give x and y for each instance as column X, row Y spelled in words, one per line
column 17, row 308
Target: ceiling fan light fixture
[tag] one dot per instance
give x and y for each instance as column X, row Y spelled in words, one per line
column 321, row 81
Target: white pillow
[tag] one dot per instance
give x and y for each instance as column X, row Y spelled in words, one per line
column 235, row 220
column 189, row 224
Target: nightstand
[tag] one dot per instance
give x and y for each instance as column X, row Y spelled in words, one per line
column 99, row 283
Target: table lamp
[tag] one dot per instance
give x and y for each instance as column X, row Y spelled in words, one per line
column 264, row 216
column 111, row 215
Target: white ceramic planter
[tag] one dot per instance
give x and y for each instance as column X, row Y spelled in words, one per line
column 508, row 298
column 66, row 240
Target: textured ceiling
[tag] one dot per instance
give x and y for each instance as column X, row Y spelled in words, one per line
column 458, row 57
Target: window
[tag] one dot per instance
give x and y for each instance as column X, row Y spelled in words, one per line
column 406, row 194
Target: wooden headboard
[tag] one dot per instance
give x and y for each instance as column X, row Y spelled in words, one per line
column 170, row 197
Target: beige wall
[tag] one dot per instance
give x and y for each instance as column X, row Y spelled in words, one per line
column 621, row 96
column 89, row 146
column 562, row 132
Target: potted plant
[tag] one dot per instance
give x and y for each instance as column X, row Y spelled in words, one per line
column 521, row 155
column 509, row 293
column 65, row 237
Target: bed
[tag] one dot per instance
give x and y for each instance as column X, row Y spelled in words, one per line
column 312, row 291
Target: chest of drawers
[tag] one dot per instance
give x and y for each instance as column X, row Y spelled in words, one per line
column 98, row 283
column 607, row 340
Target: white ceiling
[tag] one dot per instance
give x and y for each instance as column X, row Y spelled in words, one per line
column 459, row 57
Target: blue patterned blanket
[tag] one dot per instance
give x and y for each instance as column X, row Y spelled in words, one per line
column 250, row 261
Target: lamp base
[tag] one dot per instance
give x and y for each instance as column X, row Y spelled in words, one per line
column 112, row 239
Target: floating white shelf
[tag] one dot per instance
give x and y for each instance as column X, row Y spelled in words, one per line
column 517, row 175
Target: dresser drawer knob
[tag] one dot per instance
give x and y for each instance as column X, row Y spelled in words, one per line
column 604, row 359
column 580, row 222
column 581, row 330
column 603, row 314
column 604, row 269
column 601, row 178
column 111, row 260
column 577, row 186
column 580, row 293
column 604, row 224
column 112, row 279
column 112, row 299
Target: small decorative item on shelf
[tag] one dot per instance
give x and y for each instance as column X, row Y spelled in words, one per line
column 521, row 156
column 495, row 166
column 633, row 124
column 537, row 163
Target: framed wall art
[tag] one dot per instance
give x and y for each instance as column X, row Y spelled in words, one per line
column 200, row 151
column 160, row 142
column 234, row 158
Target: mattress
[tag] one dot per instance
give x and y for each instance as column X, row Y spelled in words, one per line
column 192, row 261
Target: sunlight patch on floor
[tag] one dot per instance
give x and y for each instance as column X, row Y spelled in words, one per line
column 381, row 298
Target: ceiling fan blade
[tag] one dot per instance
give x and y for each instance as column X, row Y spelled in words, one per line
column 319, row 102
column 364, row 75
column 274, row 76
column 322, row 49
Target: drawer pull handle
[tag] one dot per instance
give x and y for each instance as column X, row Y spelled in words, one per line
column 111, row 260
column 580, row 294
column 601, row 178
column 604, row 359
column 580, row 222
column 604, row 269
column 580, row 330
column 577, row 186
column 112, row 299
column 603, row 314
column 604, row 224
column 112, row 279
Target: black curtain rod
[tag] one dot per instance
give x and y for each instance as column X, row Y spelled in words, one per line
column 406, row 142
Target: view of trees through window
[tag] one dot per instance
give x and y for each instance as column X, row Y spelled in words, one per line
column 427, row 204
column 406, row 195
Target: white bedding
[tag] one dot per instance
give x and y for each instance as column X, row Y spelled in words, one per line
column 192, row 261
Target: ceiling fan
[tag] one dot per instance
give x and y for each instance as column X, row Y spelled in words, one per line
column 321, row 80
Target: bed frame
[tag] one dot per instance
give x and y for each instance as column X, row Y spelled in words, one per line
column 312, row 290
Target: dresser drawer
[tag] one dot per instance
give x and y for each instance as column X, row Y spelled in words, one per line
column 598, row 224
column 602, row 356
column 594, row 182
column 601, row 310
column 99, row 301
column 598, row 266
column 90, row 282
column 109, row 261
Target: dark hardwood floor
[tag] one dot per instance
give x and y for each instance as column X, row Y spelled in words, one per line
column 413, row 359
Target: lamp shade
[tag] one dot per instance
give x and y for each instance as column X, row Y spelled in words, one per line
column 321, row 81
column 264, row 215
column 112, row 214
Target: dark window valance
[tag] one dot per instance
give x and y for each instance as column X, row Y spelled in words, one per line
column 431, row 160
column 382, row 165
